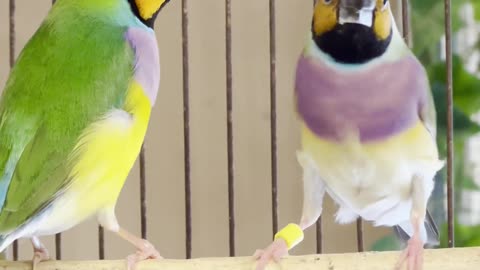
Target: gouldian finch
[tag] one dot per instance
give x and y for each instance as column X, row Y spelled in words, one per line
column 368, row 127
column 73, row 116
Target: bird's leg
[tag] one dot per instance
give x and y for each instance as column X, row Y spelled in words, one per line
column 145, row 250
column 40, row 253
column 413, row 254
column 313, row 192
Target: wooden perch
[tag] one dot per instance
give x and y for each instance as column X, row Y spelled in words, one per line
column 439, row 259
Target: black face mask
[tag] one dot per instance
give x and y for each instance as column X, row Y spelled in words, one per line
column 352, row 43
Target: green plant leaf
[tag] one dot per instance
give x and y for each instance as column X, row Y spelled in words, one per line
column 465, row 236
column 476, row 6
column 428, row 26
column 389, row 242
column 466, row 89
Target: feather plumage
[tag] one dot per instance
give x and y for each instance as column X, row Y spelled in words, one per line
column 73, row 118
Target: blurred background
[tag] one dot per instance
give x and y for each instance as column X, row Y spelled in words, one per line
column 251, row 129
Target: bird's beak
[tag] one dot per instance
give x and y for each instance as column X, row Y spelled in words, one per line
column 357, row 11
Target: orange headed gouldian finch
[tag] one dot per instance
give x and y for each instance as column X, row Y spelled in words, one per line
column 368, row 127
column 73, row 117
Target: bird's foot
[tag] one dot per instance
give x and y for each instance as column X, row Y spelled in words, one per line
column 275, row 252
column 413, row 254
column 40, row 254
column 145, row 251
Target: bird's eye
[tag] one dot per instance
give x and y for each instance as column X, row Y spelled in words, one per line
column 385, row 2
column 327, row 2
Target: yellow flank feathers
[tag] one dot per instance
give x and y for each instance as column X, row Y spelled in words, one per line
column 106, row 153
column 101, row 162
column 147, row 8
column 325, row 16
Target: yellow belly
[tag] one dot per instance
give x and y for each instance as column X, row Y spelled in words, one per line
column 415, row 142
column 360, row 174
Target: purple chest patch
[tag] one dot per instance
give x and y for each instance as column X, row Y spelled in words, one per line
column 147, row 60
column 376, row 103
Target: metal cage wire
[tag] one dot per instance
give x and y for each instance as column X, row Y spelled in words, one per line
column 273, row 131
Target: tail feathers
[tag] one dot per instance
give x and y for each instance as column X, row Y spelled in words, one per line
column 429, row 232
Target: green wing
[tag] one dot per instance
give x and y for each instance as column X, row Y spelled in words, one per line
column 69, row 75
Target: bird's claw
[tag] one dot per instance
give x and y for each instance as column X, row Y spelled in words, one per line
column 413, row 254
column 39, row 255
column 275, row 252
column 147, row 251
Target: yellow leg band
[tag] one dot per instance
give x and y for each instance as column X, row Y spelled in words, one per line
column 292, row 234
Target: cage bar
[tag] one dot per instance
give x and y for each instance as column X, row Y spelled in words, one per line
column 12, row 32
column 101, row 243
column 318, row 225
column 58, row 246
column 186, row 130
column 230, row 153
column 405, row 21
column 273, row 114
column 11, row 22
column 58, row 236
column 318, row 231
column 143, row 191
column 450, row 146
column 360, row 243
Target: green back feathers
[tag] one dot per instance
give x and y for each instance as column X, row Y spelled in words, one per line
column 74, row 70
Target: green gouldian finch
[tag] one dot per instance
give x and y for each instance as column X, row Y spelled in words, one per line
column 368, row 127
column 73, row 116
